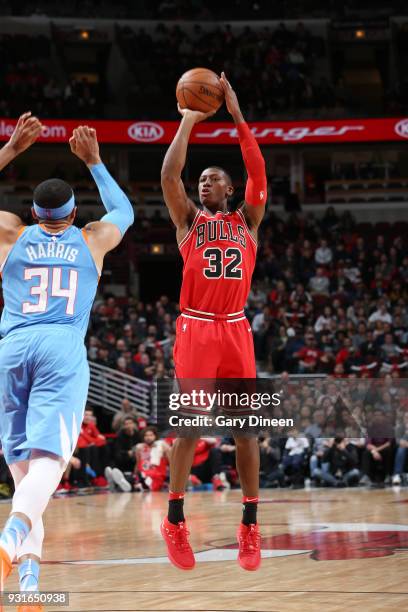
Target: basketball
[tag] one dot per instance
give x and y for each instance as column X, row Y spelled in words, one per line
column 200, row 89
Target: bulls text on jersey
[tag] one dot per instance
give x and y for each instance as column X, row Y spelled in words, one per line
column 219, row 229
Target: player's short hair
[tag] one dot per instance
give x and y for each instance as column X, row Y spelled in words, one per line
column 52, row 193
column 226, row 174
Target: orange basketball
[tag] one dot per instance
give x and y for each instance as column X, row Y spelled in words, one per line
column 200, row 89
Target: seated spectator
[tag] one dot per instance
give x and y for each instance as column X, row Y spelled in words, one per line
column 319, row 284
column 323, row 322
column 315, row 430
column 127, row 409
column 151, row 460
column 308, row 356
column 316, row 464
column 323, row 254
column 377, row 457
column 124, row 453
column 207, row 465
column 381, row 314
column 341, row 467
column 92, row 449
column 294, row 457
column 271, row 472
column 401, row 453
column 73, row 476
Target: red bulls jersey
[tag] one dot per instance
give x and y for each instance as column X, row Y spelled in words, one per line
column 219, row 258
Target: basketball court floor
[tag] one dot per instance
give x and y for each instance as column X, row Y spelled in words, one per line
column 323, row 550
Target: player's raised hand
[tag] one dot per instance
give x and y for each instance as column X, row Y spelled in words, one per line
column 25, row 133
column 84, row 144
column 231, row 99
column 196, row 115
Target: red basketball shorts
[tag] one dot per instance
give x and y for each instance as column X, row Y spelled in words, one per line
column 213, row 348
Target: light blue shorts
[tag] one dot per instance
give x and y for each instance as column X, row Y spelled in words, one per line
column 44, row 379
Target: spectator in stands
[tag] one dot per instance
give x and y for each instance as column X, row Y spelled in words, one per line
column 151, row 460
column 401, row 452
column 207, row 464
column 315, row 430
column 319, row 284
column 124, row 447
column 381, row 314
column 128, row 410
column 92, row 449
column 294, row 457
column 341, row 467
column 271, row 471
column 377, row 458
column 308, row 356
column 323, row 254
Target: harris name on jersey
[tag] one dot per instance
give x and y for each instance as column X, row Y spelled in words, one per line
column 53, row 248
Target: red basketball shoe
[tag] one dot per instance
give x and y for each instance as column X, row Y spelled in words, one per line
column 249, row 541
column 179, row 550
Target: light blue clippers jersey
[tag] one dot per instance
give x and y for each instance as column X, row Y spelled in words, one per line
column 48, row 279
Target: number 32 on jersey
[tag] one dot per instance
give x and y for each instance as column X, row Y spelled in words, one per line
column 222, row 263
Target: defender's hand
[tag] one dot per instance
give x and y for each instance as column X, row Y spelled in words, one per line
column 231, row 99
column 84, row 144
column 197, row 116
column 25, row 133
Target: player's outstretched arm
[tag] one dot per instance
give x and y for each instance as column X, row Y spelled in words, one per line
column 256, row 187
column 26, row 132
column 182, row 209
column 106, row 234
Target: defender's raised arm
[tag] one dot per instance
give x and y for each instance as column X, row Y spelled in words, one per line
column 26, row 132
column 106, row 234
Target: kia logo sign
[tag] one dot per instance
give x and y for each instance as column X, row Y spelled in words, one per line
column 401, row 128
column 145, row 131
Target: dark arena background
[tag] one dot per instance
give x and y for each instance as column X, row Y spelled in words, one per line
column 323, row 86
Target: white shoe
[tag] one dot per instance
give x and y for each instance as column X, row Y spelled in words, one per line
column 224, row 480
column 120, row 480
column 109, row 477
column 396, row 479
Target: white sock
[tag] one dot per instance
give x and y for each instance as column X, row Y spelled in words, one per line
column 13, row 535
column 29, row 572
column 33, row 543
